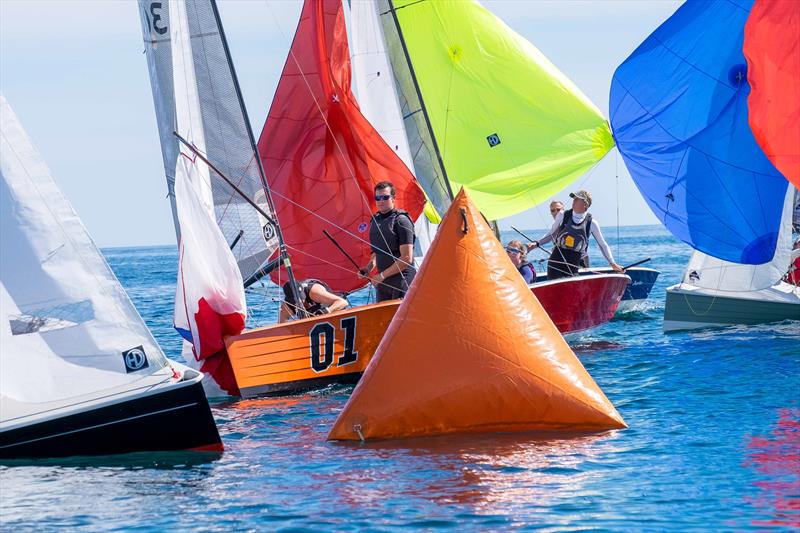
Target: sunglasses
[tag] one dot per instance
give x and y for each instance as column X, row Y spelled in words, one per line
column 379, row 197
column 513, row 251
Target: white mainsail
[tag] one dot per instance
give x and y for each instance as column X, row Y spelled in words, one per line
column 204, row 270
column 201, row 60
column 188, row 118
column 67, row 328
column 378, row 97
column 708, row 272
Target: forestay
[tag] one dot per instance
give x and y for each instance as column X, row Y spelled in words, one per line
column 67, row 328
column 228, row 142
column 498, row 116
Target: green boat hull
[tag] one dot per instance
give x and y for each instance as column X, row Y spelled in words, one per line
column 685, row 310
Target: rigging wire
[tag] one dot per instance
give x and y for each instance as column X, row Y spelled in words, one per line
column 346, row 161
column 616, row 175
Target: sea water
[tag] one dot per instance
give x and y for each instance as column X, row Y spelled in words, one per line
column 713, row 442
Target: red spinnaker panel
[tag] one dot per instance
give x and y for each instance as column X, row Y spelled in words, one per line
column 772, row 49
column 323, row 158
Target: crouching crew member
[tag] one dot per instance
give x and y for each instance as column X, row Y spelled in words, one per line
column 316, row 297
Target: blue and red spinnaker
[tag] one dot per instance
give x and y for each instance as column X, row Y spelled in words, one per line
column 679, row 112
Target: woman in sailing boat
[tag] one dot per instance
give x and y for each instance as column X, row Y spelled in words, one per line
column 391, row 235
column 316, row 296
column 516, row 252
column 556, row 207
column 570, row 233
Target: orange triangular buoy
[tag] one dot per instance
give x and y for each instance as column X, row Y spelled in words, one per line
column 471, row 350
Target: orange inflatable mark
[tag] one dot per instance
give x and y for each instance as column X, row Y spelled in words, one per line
column 471, row 350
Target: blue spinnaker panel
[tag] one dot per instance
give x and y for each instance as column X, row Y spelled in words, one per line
column 679, row 115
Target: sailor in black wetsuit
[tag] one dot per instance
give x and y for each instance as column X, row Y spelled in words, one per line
column 570, row 233
column 391, row 235
column 316, row 296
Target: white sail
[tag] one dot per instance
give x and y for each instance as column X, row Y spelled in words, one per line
column 196, row 68
column 203, row 270
column 715, row 274
column 188, row 117
column 377, row 95
column 67, row 328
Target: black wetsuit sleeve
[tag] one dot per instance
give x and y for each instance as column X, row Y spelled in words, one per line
column 405, row 230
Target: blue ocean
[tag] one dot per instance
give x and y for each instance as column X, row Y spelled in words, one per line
column 713, row 442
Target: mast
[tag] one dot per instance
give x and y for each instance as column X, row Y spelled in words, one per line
column 282, row 253
column 419, row 97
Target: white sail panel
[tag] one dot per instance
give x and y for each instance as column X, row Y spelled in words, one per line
column 378, row 97
column 228, row 141
column 711, row 273
column 67, row 328
column 204, row 269
column 373, row 79
column 188, row 118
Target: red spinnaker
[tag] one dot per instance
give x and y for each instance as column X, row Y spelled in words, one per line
column 322, row 157
column 772, row 49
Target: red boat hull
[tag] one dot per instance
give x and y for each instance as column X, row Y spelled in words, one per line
column 581, row 302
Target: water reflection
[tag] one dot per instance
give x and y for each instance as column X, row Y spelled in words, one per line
column 158, row 460
column 777, row 459
column 483, row 471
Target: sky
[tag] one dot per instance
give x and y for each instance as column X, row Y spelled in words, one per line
column 75, row 74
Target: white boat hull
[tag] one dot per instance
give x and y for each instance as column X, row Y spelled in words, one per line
column 688, row 307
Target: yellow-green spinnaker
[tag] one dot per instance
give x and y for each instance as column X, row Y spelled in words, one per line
column 510, row 127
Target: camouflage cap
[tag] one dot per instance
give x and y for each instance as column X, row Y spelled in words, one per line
column 583, row 195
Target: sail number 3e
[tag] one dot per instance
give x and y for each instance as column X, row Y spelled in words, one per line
column 156, row 23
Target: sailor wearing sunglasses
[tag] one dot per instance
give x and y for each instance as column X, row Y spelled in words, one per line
column 391, row 235
column 517, row 252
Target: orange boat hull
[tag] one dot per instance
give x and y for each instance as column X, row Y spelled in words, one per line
column 308, row 353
